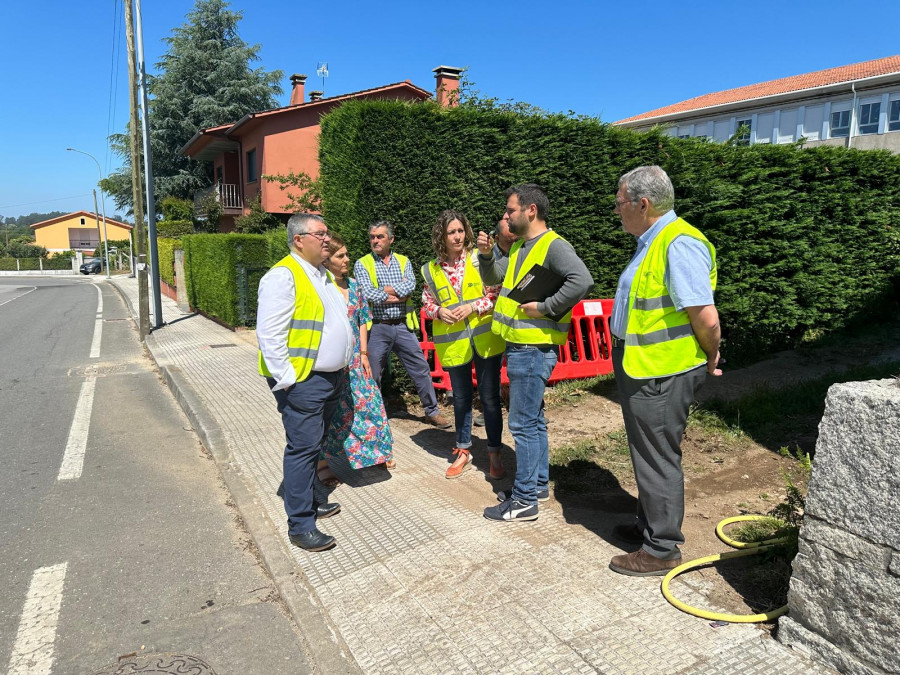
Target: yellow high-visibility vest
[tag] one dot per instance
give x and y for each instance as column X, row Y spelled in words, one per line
column 454, row 344
column 510, row 322
column 305, row 333
column 368, row 263
column 659, row 340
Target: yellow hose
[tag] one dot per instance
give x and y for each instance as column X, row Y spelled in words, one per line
column 746, row 549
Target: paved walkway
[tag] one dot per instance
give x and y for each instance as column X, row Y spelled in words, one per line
column 420, row 582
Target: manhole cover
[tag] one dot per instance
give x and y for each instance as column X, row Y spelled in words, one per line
column 157, row 664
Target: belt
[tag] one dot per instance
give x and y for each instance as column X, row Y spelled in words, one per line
column 390, row 322
column 617, row 342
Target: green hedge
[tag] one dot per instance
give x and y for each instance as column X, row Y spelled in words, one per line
column 806, row 238
column 222, row 272
column 165, row 250
column 172, row 229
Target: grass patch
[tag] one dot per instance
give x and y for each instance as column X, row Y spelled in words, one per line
column 600, row 462
column 567, row 392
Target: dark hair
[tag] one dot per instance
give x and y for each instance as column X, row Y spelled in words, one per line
column 336, row 243
column 383, row 223
column 439, row 232
column 531, row 193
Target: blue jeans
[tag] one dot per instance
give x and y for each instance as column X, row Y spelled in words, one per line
column 528, row 368
column 487, row 374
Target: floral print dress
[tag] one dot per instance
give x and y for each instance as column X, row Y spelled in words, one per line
column 359, row 428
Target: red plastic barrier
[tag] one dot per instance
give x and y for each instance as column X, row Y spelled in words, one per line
column 587, row 352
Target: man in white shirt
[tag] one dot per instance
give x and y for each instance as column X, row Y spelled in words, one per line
column 305, row 345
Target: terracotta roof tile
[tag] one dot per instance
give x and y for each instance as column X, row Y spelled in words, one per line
column 819, row 78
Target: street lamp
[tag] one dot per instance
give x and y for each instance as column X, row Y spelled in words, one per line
column 102, row 204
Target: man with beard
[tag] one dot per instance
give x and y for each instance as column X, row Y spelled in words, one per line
column 533, row 332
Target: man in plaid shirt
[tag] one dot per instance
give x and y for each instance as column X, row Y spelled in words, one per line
column 386, row 280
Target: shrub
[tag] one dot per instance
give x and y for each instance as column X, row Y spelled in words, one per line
column 174, row 208
column 166, row 251
column 172, row 229
column 222, row 272
column 257, row 221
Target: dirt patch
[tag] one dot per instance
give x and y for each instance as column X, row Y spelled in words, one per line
column 727, row 472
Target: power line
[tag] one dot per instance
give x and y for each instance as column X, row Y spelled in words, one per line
column 115, row 58
column 44, row 201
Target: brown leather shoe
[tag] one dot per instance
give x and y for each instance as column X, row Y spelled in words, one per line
column 439, row 421
column 456, row 470
column 642, row 564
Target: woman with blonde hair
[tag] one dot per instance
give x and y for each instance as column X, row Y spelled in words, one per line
column 462, row 308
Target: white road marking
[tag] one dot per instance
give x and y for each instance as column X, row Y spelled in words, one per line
column 73, row 458
column 98, row 326
column 32, row 652
column 33, row 288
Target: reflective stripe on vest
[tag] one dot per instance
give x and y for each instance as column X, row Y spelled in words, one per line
column 659, row 340
column 510, row 322
column 368, row 263
column 305, row 332
column 454, row 343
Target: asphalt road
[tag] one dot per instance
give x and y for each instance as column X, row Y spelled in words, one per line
column 118, row 537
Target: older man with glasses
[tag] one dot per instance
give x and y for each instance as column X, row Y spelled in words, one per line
column 665, row 342
column 305, row 344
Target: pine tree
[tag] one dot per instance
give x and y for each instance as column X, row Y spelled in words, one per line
column 204, row 79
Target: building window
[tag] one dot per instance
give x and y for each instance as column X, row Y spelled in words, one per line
column 81, row 221
column 840, row 124
column 868, row 117
column 684, row 136
column 742, row 135
column 80, row 237
column 894, row 116
column 251, row 166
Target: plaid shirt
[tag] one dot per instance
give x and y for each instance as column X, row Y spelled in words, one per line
column 388, row 275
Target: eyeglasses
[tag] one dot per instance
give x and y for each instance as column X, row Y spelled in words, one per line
column 620, row 203
column 321, row 236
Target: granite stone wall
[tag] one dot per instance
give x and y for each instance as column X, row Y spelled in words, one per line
column 844, row 596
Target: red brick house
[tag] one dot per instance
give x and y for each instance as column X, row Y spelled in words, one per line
column 283, row 140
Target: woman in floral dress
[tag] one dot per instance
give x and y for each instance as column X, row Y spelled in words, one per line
column 359, row 428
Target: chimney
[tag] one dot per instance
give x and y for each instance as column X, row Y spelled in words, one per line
column 447, row 87
column 297, row 82
column 316, row 95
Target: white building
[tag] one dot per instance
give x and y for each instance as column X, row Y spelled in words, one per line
column 854, row 106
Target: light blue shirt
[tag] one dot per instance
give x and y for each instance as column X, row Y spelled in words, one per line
column 688, row 265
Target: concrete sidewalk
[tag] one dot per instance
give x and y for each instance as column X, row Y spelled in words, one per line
column 420, row 582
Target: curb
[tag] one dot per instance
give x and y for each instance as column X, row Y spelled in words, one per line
column 327, row 650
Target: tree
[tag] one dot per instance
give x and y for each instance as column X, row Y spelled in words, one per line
column 24, row 247
column 204, row 79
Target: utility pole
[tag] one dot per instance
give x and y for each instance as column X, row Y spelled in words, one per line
column 148, row 174
column 134, row 132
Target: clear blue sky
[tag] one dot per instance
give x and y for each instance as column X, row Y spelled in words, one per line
column 64, row 83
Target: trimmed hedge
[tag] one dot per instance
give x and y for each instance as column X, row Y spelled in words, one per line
column 165, row 250
column 172, row 229
column 806, row 238
column 222, row 273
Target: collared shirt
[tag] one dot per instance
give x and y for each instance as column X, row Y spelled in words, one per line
column 688, row 265
column 277, row 299
column 388, row 274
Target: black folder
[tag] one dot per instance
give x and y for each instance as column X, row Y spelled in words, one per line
column 538, row 283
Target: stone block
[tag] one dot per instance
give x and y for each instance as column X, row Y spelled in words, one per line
column 852, row 603
column 794, row 635
column 855, row 480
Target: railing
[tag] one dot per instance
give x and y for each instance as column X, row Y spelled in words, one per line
column 227, row 194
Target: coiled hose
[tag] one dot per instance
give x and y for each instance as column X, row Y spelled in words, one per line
column 746, row 549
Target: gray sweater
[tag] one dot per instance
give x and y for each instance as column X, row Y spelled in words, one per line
column 561, row 258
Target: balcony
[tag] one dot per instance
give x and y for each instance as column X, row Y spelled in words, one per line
column 226, row 194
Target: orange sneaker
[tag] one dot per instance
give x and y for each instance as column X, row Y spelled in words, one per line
column 457, row 469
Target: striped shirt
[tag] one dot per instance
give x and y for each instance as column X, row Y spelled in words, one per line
column 387, row 275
